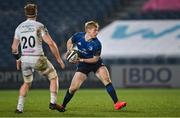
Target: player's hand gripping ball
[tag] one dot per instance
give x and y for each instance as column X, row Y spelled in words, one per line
column 72, row 56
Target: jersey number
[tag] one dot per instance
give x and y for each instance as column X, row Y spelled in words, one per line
column 28, row 42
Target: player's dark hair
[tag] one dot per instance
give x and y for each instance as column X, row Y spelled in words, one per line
column 30, row 10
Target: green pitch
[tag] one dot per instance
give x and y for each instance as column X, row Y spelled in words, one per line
column 96, row 103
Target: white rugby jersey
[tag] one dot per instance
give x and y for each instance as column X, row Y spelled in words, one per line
column 30, row 33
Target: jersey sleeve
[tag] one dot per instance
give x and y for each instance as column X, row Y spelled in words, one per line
column 97, row 52
column 16, row 34
column 43, row 30
column 75, row 37
column 97, row 49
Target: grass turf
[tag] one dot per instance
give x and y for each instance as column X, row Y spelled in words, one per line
column 96, row 103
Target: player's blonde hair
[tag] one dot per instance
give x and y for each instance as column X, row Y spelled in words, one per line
column 30, row 10
column 91, row 24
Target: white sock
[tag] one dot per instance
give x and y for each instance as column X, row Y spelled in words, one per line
column 53, row 97
column 20, row 104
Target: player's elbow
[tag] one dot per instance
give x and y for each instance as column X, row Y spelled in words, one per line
column 95, row 60
column 13, row 49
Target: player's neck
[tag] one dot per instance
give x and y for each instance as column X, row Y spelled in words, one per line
column 32, row 18
column 88, row 37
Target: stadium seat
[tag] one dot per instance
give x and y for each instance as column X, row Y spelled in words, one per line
column 62, row 18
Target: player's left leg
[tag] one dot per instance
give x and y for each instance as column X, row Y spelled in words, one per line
column 76, row 82
column 54, row 85
column 48, row 70
column 103, row 74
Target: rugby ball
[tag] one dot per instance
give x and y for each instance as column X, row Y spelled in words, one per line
column 72, row 56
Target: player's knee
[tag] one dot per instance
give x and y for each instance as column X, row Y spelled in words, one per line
column 73, row 89
column 28, row 84
column 106, row 81
column 52, row 76
column 28, row 79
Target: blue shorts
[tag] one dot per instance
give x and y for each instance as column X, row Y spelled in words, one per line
column 86, row 68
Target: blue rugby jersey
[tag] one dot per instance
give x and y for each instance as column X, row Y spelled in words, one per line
column 87, row 49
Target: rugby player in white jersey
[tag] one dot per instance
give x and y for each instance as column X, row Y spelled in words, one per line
column 30, row 34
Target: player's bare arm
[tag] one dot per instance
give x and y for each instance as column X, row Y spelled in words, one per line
column 53, row 47
column 14, row 46
column 90, row 60
column 94, row 59
column 15, row 52
column 69, row 46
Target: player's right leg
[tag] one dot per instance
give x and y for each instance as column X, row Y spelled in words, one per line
column 76, row 82
column 23, row 92
column 27, row 73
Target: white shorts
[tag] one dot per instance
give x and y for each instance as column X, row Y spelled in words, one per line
column 40, row 64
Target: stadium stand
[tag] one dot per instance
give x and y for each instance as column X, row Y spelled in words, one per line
column 65, row 17
column 62, row 18
column 134, row 10
column 161, row 5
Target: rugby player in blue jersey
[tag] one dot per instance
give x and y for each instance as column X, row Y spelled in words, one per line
column 89, row 48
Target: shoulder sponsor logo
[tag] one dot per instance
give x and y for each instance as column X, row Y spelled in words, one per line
column 79, row 43
column 90, row 48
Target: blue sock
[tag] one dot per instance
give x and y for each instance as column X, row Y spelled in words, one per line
column 67, row 98
column 112, row 92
